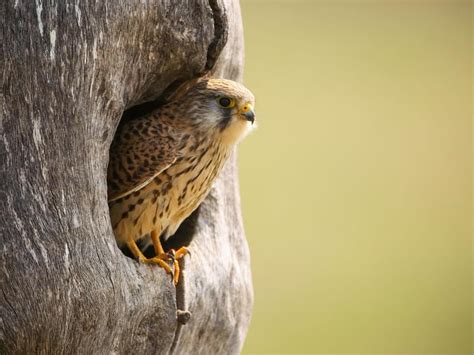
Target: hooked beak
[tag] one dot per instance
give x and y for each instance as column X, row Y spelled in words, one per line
column 247, row 112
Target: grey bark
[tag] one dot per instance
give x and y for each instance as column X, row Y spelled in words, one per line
column 69, row 69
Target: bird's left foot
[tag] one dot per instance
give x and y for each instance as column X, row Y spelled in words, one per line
column 172, row 255
column 175, row 255
column 167, row 261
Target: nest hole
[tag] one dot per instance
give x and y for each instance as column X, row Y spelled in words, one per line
column 185, row 233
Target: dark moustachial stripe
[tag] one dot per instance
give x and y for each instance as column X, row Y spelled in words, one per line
column 226, row 118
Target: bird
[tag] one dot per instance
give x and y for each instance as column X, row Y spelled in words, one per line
column 163, row 164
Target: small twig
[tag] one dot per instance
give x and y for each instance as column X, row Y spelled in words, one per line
column 182, row 316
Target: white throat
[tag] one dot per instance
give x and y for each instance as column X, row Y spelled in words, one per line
column 237, row 130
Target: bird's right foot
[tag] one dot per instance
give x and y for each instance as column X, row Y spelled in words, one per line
column 162, row 260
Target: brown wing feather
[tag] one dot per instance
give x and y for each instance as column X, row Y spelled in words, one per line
column 143, row 149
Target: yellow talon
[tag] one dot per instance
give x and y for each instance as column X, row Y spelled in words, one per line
column 162, row 259
column 176, row 255
column 181, row 252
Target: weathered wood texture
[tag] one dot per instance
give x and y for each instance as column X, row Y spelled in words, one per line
column 69, row 69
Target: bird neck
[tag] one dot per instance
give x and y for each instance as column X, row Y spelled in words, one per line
column 235, row 132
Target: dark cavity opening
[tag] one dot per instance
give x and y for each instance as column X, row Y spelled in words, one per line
column 182, row 238
column 187, row 229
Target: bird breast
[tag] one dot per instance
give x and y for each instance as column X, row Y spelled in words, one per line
column 172, row 196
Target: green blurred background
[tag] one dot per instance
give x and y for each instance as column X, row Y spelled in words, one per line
column 357, row 186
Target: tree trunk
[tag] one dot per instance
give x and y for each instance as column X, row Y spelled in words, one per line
column 69, row 71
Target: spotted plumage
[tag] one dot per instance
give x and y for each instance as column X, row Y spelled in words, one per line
column 162, row 165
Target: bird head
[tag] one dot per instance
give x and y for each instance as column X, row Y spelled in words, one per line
column 223, row 106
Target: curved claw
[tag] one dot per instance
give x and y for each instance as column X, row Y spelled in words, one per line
column 181, row 252
column 171, row 254
column 176, row 272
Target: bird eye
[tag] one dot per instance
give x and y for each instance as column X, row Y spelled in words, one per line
column 226, row 102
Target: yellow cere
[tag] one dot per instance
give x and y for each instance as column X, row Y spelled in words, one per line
column 246, row 108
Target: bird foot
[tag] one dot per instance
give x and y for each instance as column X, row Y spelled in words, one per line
column 175, row 255
column 168, row 261
column 162, row 260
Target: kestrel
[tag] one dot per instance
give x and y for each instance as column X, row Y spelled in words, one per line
column 162, row 165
